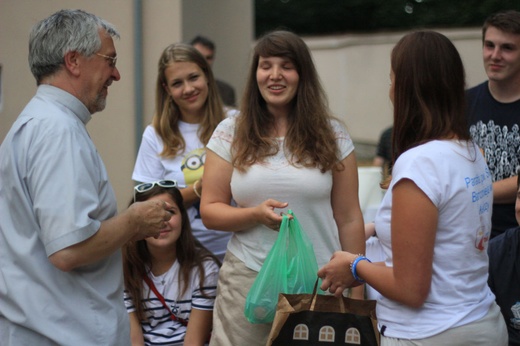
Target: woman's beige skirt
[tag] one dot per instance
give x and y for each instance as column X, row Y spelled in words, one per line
column 230, row 326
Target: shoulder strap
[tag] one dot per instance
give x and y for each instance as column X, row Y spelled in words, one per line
column 150, row 284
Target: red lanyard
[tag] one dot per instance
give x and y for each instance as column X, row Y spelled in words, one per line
column 150, row 284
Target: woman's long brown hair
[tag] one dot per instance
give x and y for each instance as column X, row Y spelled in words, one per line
column 310, row 139
column 429, row 91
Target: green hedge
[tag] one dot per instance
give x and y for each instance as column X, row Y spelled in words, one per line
column 325, row 17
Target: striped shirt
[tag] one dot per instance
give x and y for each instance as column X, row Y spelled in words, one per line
column 159, row 328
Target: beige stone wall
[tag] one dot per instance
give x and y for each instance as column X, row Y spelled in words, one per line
column 355, row 73
column 233, row 36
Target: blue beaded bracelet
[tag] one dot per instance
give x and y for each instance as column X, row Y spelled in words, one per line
column 354, row 264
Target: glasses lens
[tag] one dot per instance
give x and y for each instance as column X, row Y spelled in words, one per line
column 167, row 183
column 144, row 187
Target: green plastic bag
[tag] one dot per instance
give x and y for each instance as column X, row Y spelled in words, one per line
column 290, row 267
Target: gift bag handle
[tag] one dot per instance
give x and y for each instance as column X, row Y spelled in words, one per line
column 315, row 296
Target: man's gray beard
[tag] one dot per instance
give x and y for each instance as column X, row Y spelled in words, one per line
column 99, row 104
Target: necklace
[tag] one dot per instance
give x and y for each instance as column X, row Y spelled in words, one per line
column 161, row 278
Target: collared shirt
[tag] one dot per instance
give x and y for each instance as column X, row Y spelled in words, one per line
column 54, row 193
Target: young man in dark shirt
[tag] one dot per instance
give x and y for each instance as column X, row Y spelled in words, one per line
column 494, row 113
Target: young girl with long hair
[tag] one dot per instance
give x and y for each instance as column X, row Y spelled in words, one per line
column 170, row 281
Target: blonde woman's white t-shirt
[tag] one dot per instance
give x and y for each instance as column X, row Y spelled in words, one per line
column 185, row 168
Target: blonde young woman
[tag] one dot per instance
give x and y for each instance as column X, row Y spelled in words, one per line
column 188, row 109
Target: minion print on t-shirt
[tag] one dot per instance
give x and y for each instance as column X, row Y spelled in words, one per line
column 192, row 168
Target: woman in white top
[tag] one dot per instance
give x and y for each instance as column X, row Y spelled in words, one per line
column 284, row 150
column 187, row 110
column 435, row 219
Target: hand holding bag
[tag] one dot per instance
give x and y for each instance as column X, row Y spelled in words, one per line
column 290, row 267
column 315, row 319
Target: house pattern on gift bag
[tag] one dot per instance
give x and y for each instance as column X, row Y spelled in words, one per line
column 325, row 328
column 327, row 334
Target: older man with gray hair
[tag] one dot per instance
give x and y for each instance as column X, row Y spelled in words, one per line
column 60, row 238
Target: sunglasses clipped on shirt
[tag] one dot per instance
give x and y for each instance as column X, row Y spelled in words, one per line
column 148, row 186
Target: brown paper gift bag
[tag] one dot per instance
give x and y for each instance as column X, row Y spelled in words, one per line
column 314, row 319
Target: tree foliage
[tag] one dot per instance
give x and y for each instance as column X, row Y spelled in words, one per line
column 325, row 17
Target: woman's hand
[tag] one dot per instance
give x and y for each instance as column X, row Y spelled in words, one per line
column 265, row 214
column 336, row 274
column 370, row 230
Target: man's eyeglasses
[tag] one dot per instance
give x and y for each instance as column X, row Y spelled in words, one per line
column 111, row 59
column 148, row 186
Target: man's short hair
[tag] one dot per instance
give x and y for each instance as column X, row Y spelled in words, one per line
column 206, row 42
column 62, row 32
column 506, row 21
